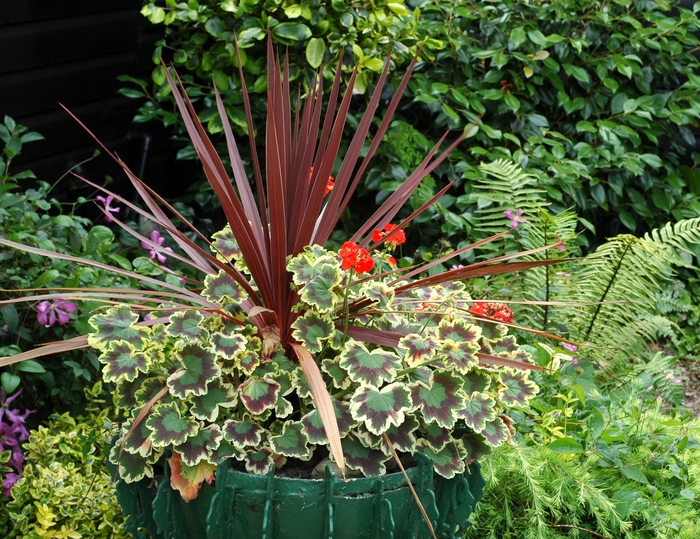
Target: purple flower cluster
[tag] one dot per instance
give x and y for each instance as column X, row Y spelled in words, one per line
column 156, row 252
column 12, row 433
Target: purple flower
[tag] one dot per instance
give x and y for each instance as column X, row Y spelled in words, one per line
column 574, row 360
column 456, row 267
column 516, row 219
column 570, row 347
column 9, row 482
column 48, row 312
column 20, row 419
column 107, row 207
column 8, row 436
column 156, row 253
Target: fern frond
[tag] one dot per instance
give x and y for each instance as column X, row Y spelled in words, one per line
column 679, row 236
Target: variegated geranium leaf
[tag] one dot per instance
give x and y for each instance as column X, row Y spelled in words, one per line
column 186, row 479
column 307, row 265
column 198, row 368
column 495, row 432
column 117, row 324
column 477, row 410
column 228, row 345
column 475, row 446
column 380, row 408
column 459, row 356
column 126, row 391
column 206, row 406
column 516, row 389
column 122, row 361
column 319, row 292
column 382, row 297
column 300, row 383
column 149, row 389
column 506, row 347
column 369, row 367
column 358, row 457
column 186, row 324
column 168, row 427
column 226, row 450
column 225, row 246
column 418, row 349
column 313, row 426
column 441, row 400
column 292, row 442
column 449, row 461
column 312, row 329
column 401, row 436
column 259, row 394
column 419, row 374
column 259, row 461
column 476, row 380
column 491, row 331
column 435, row 436
column 222, row 289
column 340, row 377
column 247, row 361
column 138, row 442
column 198, row 447
column 132, row 466
column 243, row 433
column 458, row 330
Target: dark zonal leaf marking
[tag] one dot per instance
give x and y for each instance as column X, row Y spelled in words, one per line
column 401, row 436
column 199, row 447
column 206, row 406
column 228, row 345
column 319, row 291
column 126, row 391
column 132, row 466
column 476, row 380
column 380, row 408
column 418, row 349
column 307, row 265
column 169, row 427
column 516, row 389
column 293, row 442
column 138, row 442
column 340, row 377
column 458, row 330
column 449, row 461
column 300, row 383
column 117, row 324
column 358, row 457
column 149, row 389
column 224, row 245
column 187, row 324
column 459, row 356
column 311, row 329
column 495, row 432
column 435, row 436
column 475, row 447
column 259, row 461
column 367, row 367
column 420, row 374
column 491, row 331
column 199, row 367
column 477, row 410
column 506, row 347
column 243, row 433
column 226, row 450
column 222, row 289
column 122, row 361
column 313, row 426
column 247, row 361
column 441, row 400
column 259, row 394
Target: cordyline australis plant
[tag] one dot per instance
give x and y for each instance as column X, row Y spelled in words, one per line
column 286, row 346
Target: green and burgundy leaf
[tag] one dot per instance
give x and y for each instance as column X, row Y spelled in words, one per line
column 478, row 409
column 199, row 447
column 449, row 461
column 440, row 400
column 300, row 383
column 168, row 427
column 516, row 389
column 259, row 394
column 126, row 392
column 359, row 457
column 435, row 436
column 132, row 466
column 458, row 330
column 222, row 289
column 319, row 292
column 149, row 389
column 312, row 329
column 205, row 407
column 402, row 436
column 226, row 450
column 506, row 347
column 476, row 380
column 186, row 479
column 495, row 432
column 475, row 446
column 224, row 245
column 247, row 361
column 117, row 324
column 244, row 432
column 199, row 367
column 283, row 408
column 228, row 345
column 380, row 408
column 138, row 442
column 418, row 349
column 307, row 265
column 313, row 426
column 491, row 331
column 187, row 324
column 338, row 375
column 122, row 361
column 259, row 461
column 292, row 442
column 369, row 367
column 459, row 356
column 418, row 375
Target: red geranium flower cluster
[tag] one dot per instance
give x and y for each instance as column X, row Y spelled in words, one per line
column 497, row 311
column 355, row 257
column 397, row 239
column 329, row 185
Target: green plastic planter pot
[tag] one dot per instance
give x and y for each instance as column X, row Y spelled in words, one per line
column 247, row 506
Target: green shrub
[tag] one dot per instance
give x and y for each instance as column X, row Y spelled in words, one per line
column 66, row 491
